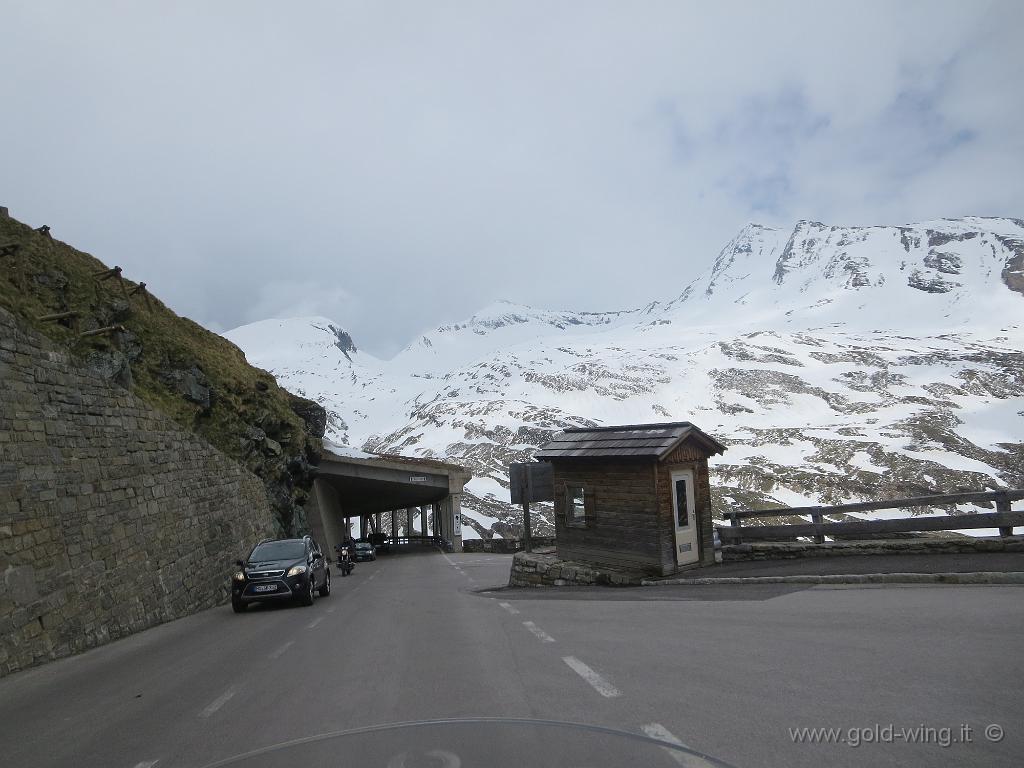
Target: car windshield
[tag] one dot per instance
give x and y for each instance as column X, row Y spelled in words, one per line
column 375, row 375
column 278, row 550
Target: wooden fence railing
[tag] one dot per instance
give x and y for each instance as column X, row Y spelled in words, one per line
column 1002, row 518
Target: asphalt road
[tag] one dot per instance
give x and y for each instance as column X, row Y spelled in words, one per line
column 727, row 670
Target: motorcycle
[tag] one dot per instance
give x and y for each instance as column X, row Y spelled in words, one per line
column 345, row 561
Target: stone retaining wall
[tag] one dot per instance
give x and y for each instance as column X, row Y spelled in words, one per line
column 546, row 570
column 504, row 546
column 112, row 518
column 922, row 545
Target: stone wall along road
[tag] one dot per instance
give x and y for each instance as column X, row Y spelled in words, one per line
column 112, row 518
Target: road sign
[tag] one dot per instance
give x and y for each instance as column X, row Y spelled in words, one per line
column 531, row 481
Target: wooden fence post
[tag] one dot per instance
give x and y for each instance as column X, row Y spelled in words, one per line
column 734, row 521
column 819, row 537
column 1003, row 505
column 527, row 487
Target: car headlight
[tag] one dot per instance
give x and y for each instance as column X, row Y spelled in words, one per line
column 295, row 570
column 239, row 576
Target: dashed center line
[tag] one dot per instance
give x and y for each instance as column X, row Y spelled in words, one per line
column 315, row 621
column 509, row 608
column 539, row 633
column 660, row 732
column 146, row 764
column 217, row 703
column 597, row 682
column 280, row 651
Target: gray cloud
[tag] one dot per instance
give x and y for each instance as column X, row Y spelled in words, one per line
column 399, row 165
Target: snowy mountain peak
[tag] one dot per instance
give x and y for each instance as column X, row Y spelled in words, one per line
column 270, row 343
column 930, row 274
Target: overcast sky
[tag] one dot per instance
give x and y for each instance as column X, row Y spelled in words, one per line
column 399, row 165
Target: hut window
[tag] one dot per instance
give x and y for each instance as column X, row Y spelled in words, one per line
column 575, row 506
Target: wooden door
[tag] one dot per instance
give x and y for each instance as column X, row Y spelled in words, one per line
column 685, row 518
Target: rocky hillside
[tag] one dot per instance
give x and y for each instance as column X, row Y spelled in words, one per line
column 122, row 331
column 837, row 363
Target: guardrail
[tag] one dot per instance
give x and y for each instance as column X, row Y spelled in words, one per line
column 1002, row 518
column 411, row 542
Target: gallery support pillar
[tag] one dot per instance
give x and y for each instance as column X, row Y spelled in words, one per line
column 451, row 518
column 457, row 518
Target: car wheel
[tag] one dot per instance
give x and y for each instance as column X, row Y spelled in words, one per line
column 237, row 605
column 325, row 590
column 308, row 597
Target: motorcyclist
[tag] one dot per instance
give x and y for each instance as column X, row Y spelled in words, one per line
column 345, row 550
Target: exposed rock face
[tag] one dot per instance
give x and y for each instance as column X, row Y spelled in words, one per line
column 947, row 263
column 928, row 283
column 111, row 365
column 190, row 383
column 344, row 341
column 1013, row 272
column 313, row 414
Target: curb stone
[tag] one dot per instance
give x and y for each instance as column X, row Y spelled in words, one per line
column 977, row 577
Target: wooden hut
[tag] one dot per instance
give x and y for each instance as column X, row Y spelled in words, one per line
column 635, row 497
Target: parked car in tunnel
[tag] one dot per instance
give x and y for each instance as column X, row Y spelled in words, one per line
column 281, row 569
column 365, row 551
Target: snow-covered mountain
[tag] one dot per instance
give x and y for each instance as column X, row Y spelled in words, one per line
column 837, row 363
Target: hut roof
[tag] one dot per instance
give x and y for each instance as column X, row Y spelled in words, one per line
column 631, row 440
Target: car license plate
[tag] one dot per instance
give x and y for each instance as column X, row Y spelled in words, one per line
column 265, row 588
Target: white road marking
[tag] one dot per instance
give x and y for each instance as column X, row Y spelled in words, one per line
column 280, row 651
column 660, row 732
column 539, row 633
column 146, row 764
column 332, row 609
column 217, row 703
column 509, row 608
column 598, row 683
column 450, row 561
column 315, row 621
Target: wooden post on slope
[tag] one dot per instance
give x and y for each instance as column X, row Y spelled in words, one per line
column 141, row 288
column 107, row 274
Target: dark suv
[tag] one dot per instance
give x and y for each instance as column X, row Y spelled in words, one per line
column 281, row 569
